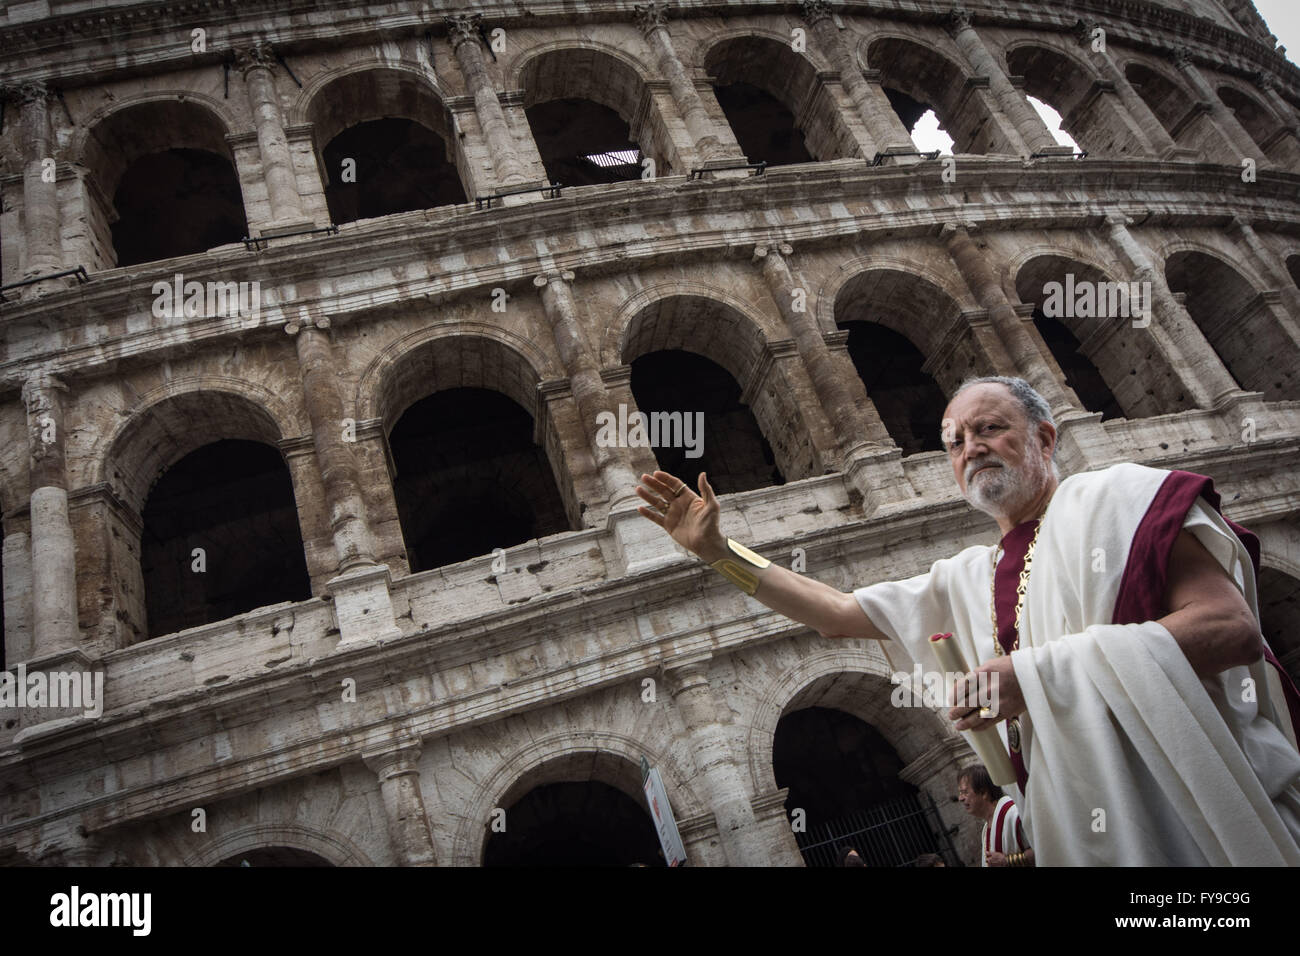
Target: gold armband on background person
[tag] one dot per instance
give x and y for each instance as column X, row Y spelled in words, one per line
column 740, row 572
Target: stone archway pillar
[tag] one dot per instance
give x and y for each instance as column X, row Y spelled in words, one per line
column 652, row 19
column 255, row 62
column 462, row 34
column 41, row 219
column 408, row 824
column 1230, row 127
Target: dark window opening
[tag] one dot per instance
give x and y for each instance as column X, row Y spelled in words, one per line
column 469, row 478
column 234, row 500
column 763, row 126
column 176, row 203
column 908, row 400
column 583, row 143
column 575, row 824
column 1080, row 374
column 387, row 166
column 732, row 448
column 909, row 110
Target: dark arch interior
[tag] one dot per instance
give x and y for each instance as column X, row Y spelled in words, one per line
column 275, row 856
column 909, row 401
column 234, row 499
column 1293, row 267
column 570, row 130
column 1166, row 100
column 1080, row 374
column 176, row 203
column 1279, row 612
column 399, row 166
column 587, row 823
column 1257, row 121
column 909, row 110
column 735, row 453
column 763, row 126
column 469, row 478
column 844, row 775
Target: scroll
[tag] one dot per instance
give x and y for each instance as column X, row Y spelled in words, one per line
column 986, row 743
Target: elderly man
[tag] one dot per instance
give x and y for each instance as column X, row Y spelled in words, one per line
column 1146, row 719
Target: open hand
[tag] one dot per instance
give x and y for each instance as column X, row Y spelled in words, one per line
column 690, row 519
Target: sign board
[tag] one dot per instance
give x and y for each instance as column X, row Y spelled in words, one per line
column 669, row 839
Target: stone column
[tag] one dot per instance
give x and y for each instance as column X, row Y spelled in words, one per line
column 1145, row 123
column 833, row 375
column 1033, row 134
column 1223, row 118
column 54, row 570
column 1285, row 137
column 719, row 781
column 1032, row 362
column 652, row 19
column 17, row 593
column 883, row 125
column 615, row 464
column 1202, row 373
column 1266, row 261
column 256, row 63
column 40, row 191
column 338, row 467
column 462, row 34
column 408, row 824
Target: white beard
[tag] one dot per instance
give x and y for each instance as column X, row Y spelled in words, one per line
column 1000, row 491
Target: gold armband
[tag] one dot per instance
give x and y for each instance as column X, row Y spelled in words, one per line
column 739, row 572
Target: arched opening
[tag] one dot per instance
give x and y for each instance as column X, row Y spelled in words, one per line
column 917, row 78
column 887, row 314
column 1237, row 323
column 164, row 185
column 582, row 809
column 384, row 146
column 742, row 416
column 1174, row 107
column 587, row 823
column 1252, row 115
column 907, row 399
column 221, row 537
column 275, row 856
column 1087, row 117
column 387, row 166
column 581, row 106
column 1117, row 374
column 845, row 777
column 1279, row 612
column 769, row 96
column 469, row 478
column 718, row 433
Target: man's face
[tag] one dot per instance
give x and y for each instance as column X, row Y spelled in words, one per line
column 972, row 801
column 999, row 464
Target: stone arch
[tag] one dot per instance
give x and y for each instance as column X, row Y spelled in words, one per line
column 828, row 293
column 835, row 678
column 1129, row 368
column 1169, row 98
column 392, row 121
column 921, row 75
column 330, row 845
column 565, row 70
column 379, row 390
column 756, row 59
column 1223, row 300
column 172, row 420
column 613, row 755
column 896, row 277
column 1258, row 119
column 715, row 328
column 1066, row 83
column 175, row 135
column 616, row 336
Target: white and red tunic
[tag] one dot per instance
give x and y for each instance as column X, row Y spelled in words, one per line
column 1130, row 757
column 1005, row 834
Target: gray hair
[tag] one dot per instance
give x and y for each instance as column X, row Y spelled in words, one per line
column 1034, row 405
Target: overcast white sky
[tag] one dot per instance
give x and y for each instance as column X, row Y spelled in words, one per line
column 1282, row 17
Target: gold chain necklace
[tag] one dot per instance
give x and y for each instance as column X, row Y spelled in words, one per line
column 1013, row 725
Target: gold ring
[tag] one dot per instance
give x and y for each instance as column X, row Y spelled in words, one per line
column 679, row 490
column 986, row 713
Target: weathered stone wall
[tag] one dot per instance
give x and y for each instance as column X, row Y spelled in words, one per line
column 471, row 684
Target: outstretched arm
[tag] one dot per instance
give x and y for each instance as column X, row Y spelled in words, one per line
column 692, row 521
